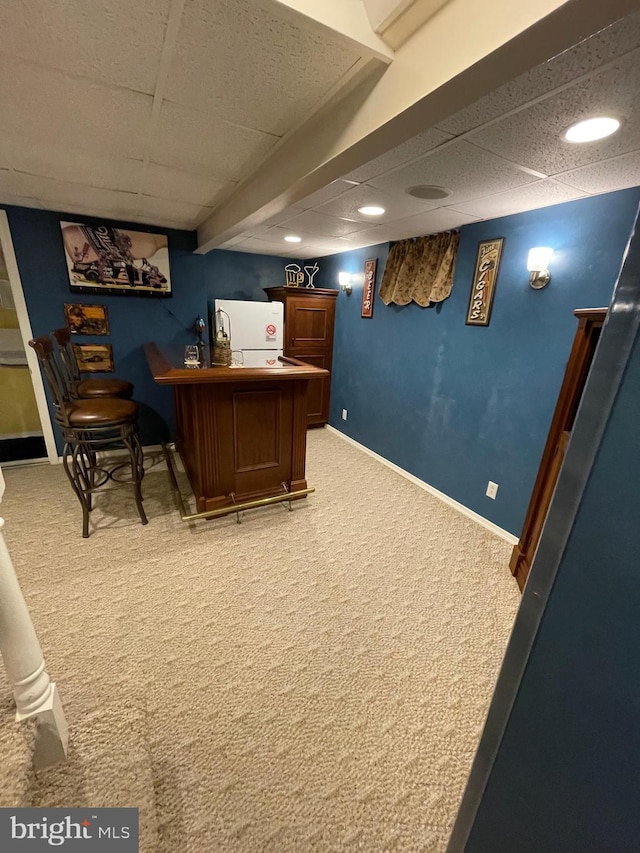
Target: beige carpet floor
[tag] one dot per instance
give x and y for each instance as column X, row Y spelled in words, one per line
column 308, row 680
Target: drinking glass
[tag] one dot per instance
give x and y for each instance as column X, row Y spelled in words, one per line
column 191, row 356
column 237, row 358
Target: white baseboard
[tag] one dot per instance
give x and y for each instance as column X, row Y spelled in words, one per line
column 12, row 435
column 23, row 463
column 479, row 519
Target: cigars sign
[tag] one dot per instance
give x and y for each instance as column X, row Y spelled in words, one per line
column 484, row 282
column 369, row 287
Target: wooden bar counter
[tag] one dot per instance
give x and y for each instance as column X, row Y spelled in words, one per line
column 241, row 431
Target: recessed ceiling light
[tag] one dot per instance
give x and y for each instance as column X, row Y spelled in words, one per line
column 292, row 238
column 428, row 191
column 371, row 210
column 591, row 129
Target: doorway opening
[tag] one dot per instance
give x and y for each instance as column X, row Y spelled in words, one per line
column 25, row 426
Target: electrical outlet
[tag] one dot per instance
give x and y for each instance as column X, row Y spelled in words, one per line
column 344, row 414
column 492, row 490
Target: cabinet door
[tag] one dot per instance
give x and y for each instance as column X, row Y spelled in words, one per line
column 309, row 327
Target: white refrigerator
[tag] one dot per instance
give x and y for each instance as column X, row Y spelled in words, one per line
column 255, row 328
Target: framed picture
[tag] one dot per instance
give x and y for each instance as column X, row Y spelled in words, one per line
column 483, row 288
column 86, row 319
column 103, row 259
column 94, row 358
column 369, row 288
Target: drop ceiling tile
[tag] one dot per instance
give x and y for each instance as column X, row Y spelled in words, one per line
column 110, row 41
column 278, row 218
column 586, row 57
column 396, row 203
column 430, row 222
column 540, row 194
column 198, row 141
column 64, row 196
column 244, row 61
column 605, row 176
column 331, row 244
column 80, row 167
column 302, row 254
column 19, row 201
column 10, row 182
column 233, row 241
column 190, row 215
column 468, row 171
column 355, row 241
column 264, row 247
column 532, row 137
column 72, row 111
column 165, row 182
column 331, row 191
column 409, row 150
column 313, row 223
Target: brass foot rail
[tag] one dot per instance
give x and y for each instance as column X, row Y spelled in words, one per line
column 231, row 508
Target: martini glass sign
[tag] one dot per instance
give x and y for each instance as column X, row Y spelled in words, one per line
column 294, row 276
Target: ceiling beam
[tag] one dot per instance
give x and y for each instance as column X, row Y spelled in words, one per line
column 348, row 18
column 460, row 55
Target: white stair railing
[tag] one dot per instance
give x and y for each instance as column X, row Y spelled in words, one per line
column 35, row 694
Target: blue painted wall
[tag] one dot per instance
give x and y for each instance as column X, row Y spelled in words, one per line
column 135, row 319
column 566, row 775
column 458, row 405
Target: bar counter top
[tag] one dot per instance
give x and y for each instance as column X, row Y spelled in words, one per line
column 167, row 368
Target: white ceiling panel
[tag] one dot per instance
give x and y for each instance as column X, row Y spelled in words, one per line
column 78, row 167
column 466, row 170
column 430, row 222
column 245, row 61
column 585, row 57
column 199, row 141
column 109, row 41
column 313, row 223
column 540, row 194
column 331, row 191
column 397, row 204
column 607, row 175
column 164, row 182
column 37, row 103
column 64, row 196
column 10, row 182
column 409, row 150
column 255, row 244
column 20, row 201
column 533, row 135
column 162, row 209
column 276, row 219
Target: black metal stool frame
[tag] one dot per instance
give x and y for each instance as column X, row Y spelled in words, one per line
column 83, row 443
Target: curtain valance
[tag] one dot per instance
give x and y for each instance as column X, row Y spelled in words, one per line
column 420, row 269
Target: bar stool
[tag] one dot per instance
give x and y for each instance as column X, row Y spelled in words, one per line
column 88, row 428
column 89, row 389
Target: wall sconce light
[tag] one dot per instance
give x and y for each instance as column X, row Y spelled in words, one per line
column 537, row 263
column 344, row 280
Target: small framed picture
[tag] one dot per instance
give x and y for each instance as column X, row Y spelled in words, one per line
column 94, row 358
column 86, row 319
column 483, row 288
